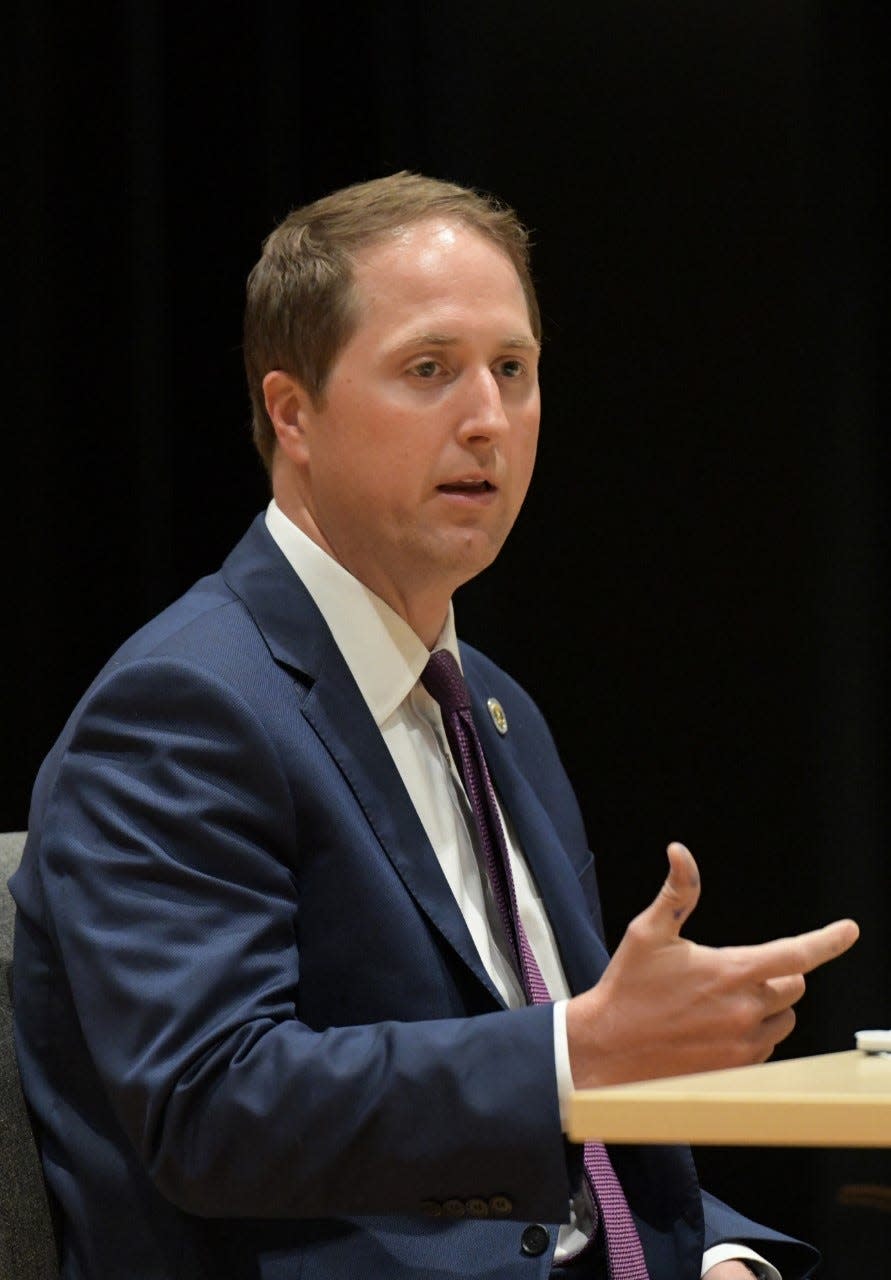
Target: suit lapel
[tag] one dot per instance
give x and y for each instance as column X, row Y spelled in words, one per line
column 362, row 757
column 299, row 638
column 581, row 951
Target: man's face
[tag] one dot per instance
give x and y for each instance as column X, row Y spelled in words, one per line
column 419, row 458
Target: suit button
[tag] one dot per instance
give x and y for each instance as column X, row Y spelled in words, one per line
column 500, row 1206
column 453, row 1208
column 431, row 1208
column 534, row 1240
column 477, row 1208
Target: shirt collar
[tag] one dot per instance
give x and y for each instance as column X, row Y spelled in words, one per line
column 386, row 657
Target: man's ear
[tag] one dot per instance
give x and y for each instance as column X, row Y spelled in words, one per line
column 287, row 403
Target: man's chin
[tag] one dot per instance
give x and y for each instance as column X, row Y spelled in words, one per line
column 469, row 559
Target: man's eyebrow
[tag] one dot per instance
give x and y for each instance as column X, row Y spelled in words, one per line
column 522, row 343
column 512, row 341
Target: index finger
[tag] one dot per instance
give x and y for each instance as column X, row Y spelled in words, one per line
column 801, row 954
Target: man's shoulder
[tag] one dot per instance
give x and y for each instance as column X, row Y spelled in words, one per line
column 209, row 631
column 202, row 660
column 206, row 605
column 215, row 611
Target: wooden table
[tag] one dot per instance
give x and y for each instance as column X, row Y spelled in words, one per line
column 833, row 1100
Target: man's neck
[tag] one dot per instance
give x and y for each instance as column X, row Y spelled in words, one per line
column 425, row 610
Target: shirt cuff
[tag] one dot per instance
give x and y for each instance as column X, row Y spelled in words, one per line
column 724, row 1253
column 565, row 1084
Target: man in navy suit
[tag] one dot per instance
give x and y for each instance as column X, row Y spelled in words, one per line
column 268, row 1020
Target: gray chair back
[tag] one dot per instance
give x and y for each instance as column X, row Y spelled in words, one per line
column 27, row 1239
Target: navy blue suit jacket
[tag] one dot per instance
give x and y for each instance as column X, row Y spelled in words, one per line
column 252, row 1026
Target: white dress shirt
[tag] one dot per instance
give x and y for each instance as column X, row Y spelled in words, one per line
column 386, row 658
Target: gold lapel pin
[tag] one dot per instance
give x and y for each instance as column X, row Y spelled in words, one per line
column 496, row 711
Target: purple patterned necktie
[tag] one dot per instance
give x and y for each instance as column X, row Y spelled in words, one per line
column 443, row 681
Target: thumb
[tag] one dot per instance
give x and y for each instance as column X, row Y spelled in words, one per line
column 679, row 894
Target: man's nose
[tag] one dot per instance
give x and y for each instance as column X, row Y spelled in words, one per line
column 482, row 407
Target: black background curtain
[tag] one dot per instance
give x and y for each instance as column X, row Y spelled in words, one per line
column 694, row 593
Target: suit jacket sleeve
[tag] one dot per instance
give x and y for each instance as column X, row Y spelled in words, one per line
column 175, row 856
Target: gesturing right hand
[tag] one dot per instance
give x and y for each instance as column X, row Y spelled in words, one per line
column 666, row 1006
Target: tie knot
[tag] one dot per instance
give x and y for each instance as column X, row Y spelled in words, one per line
column 443, row 680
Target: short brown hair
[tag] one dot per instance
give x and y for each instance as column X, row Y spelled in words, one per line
column 301, row 305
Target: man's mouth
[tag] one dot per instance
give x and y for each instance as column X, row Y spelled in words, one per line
column 469, row 487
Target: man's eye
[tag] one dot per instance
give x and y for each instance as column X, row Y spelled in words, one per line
column 512, row 368
column 426, row 369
